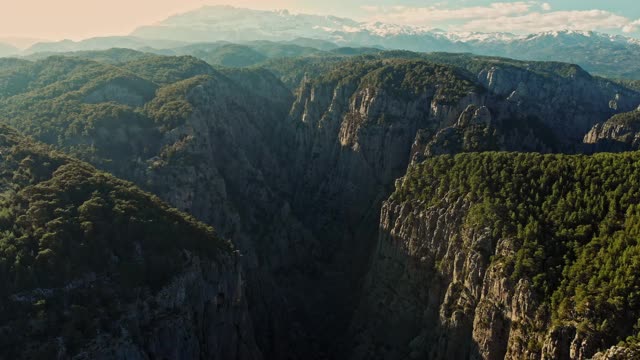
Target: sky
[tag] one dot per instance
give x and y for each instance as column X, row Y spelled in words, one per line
column 78, row 19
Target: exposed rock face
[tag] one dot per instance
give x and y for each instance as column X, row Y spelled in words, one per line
column 444, row 284
column 315, row 184
column 223, row 165
column 467, row 309
column 558, row 343
column 438, row 294
column 569, row 106
column 618, row 353
column 201, row 314
column 620, row 133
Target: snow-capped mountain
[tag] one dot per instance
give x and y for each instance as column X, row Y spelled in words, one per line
column 214, row 23
column 610, row 55
column 605, row 54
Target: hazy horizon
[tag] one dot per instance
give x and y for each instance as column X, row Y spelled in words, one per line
column 37, row 20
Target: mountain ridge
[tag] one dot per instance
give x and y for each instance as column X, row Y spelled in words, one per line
column 603, row 54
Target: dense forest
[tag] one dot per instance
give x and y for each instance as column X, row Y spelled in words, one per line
column 575, row 219
column 77, row 245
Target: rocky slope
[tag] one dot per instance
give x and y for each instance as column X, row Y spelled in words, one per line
column 223, row 164
column 620, row 133
column 362, row 123
column 464, row 270
column 94, row 268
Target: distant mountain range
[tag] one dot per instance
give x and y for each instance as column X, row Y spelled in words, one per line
column 102, row 43
column 603, row 54
column 8, row 50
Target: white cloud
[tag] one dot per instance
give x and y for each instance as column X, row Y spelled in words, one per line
column 632, row 26
column 549, row 21
column 370, row 8
column 424, row 15
column 516, row 17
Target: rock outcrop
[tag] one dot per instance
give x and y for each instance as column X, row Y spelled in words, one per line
column 201, row 314
column 618, row 353
column 620, row 133
column 444, row 284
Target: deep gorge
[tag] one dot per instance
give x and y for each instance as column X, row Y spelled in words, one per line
column 305, row 179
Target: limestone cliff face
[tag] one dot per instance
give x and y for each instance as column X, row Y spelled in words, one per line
column 224, row 166
column 569, row 105
column 353, row 139
column 509, row 108
column 445, row 281
column 626, row 135
column 201, row 314
column 439, row 293
column 620, row 133
column 355, row 136
column 618, row 353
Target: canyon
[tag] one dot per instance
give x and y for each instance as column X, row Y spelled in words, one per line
column 300, row 168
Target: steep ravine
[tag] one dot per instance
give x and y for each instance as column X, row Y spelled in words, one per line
column 296, row 180
column 304, row 218
column 357, row 129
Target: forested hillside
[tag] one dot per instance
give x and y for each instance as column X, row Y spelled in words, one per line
column 80, row 249
column 523, row 253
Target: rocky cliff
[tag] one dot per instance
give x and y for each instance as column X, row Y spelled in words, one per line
column 437, row 293
column 94, row 268
column 224, row 166
column 620, row 133
column 361, row 124
column 461, row 272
